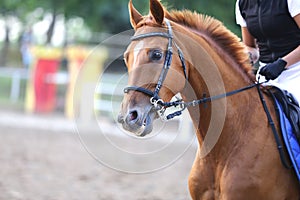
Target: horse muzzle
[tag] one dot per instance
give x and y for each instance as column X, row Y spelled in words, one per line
column 138, row 120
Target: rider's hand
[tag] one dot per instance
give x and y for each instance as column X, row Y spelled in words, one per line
column 273, row 70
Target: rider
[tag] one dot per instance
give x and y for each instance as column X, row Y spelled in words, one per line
column 273, row 27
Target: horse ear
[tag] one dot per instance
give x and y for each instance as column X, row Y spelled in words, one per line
column 135, row 16
column 157, row 11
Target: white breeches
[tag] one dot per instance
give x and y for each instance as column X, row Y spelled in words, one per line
column 288, row 80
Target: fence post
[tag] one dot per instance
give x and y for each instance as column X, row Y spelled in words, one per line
column 15, row 87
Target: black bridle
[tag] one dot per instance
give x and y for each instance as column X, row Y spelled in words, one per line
column 161, row 106
column 155, row 100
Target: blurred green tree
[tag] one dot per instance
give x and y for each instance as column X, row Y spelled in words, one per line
column 11, row 9
column 222, row 10
column 110, row 15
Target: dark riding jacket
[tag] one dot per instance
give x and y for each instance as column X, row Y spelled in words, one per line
column 270, row 22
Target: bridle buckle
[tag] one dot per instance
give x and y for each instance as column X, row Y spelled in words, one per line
column 157, row 103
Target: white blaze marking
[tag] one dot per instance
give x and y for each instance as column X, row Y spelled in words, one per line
column 136, row 51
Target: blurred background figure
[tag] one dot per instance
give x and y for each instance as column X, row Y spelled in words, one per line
column 26, row 42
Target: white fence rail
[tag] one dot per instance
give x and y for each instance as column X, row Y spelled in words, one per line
column 108, row 93
column 16, row 75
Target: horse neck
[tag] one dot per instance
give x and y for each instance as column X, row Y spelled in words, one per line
column 212, row 73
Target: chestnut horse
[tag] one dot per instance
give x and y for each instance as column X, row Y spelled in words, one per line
column 244, row 162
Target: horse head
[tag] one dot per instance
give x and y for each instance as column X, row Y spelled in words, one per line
column 155, row 74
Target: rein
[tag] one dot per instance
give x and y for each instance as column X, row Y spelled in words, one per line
column 161, row 106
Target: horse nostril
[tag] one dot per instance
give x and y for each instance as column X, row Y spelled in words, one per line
column 120, row 118
column 133, row 115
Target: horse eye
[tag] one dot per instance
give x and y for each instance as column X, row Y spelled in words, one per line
column 156, row 55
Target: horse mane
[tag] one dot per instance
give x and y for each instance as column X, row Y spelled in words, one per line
column 215, row 30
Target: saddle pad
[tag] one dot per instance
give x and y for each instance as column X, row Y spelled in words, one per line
column 290, row 140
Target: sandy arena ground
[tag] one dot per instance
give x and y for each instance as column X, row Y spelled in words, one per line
column 41, row 158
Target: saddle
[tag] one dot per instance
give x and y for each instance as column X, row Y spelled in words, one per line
column 290, row 108
column 288, row 113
